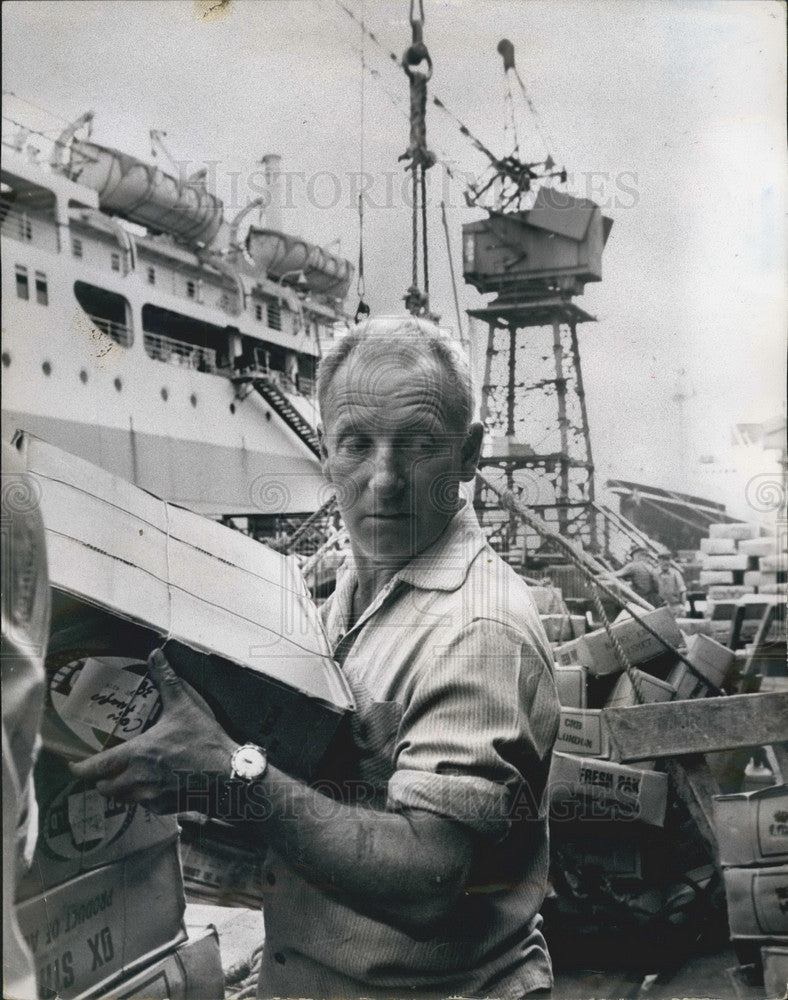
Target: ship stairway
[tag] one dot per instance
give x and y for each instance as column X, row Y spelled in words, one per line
column 278, row 401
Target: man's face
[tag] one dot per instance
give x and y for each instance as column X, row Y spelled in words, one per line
column 394, row 454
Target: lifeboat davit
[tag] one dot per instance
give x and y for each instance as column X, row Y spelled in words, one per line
column 145, row 194
column 277, row 254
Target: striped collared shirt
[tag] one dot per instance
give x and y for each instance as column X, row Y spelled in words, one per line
column 457, row 714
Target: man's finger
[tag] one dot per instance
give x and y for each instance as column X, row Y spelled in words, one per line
column 164, row 677
column 102, row 765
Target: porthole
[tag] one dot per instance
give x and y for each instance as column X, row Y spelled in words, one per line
column 267, row 414
column 83, row 376
column 232, row 407
column 6, row 359
column 193, row 399
column 46, row 368
column 164, row 393
column 118, row 384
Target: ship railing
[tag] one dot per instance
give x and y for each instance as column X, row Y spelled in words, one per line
column 176, row 352
column 303, row 387
column 16, row 224
column 120, row 332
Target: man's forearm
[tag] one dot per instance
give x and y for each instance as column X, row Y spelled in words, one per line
column 407, row 867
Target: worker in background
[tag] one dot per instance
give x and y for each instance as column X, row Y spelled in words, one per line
column 672, row 589
column 640, row 574
column 418, row 866
column 25, row 617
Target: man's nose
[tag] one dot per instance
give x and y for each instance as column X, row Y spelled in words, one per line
column 387, row 478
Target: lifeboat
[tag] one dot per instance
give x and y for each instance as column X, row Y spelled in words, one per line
column 145, row 194
column 278, row 254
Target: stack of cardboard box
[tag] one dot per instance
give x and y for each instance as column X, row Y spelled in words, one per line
column 752, row 833
column 589, row 676
column 738, row 555
column 623, row 854
column 104, row 900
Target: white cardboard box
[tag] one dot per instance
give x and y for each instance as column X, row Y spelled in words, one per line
column 85, row 934
column 239, row 621
column 736, row 529
column 548, row 600
column 757, row 901
column 711, row 658
column 570, row 682
column 752, row 578
column 192, row 972
column 694, row 626
column 596, row 652
column 715, row 577
column 758, row 546
column 717, row 546
column 727, row 593
column 79, row 829
column 775, row 971
column 775, row 563
column 558, row 628
column 591, row 788
column 582, row 731
column 651, row 689
column 752, row 827
column 732, row 562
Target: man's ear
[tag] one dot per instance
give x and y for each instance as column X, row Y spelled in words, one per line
column 471, row 449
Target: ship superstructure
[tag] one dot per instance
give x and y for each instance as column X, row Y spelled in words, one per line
column 142, row 332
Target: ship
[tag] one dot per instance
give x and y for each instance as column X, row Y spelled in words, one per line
column 147, row 331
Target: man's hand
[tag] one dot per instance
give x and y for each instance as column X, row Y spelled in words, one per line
column 185, row 741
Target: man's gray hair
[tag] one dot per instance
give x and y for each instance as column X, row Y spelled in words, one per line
column 410, row 341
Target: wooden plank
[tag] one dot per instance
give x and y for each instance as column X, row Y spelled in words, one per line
column 695, row 785
column 674, row 728
column 777, row 755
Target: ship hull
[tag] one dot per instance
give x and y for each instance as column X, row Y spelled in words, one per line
column 199, row 439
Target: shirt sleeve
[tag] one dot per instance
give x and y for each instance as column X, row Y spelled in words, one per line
column 478, row 729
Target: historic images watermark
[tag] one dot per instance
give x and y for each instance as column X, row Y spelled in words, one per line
column 381, row 190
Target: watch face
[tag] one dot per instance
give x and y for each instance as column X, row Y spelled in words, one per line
column 249, row 762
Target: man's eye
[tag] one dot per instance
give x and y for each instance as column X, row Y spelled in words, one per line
column 417, row 442
column 354, row 446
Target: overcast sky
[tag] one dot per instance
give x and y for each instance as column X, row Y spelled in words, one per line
column 673, row 111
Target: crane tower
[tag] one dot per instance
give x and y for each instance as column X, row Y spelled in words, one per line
column 536, row 250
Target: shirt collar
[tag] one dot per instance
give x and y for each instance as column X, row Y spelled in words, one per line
column 445, row 564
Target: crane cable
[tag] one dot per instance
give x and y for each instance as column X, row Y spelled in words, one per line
column 417, row 64
column 362, row 310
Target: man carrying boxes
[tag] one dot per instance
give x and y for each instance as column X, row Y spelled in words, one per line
column 370, row 879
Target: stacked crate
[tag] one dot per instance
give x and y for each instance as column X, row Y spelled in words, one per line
column 752, row 833
column 737, row 555
column 623, row 854
column 104, row 901
column 104, row 896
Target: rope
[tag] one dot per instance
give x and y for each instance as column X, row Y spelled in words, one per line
column 424, row 250
column 360, row 287
column 414, row 249
column 618, row 649
column 590, row 570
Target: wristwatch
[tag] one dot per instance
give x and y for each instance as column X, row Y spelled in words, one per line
column 248, row 764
